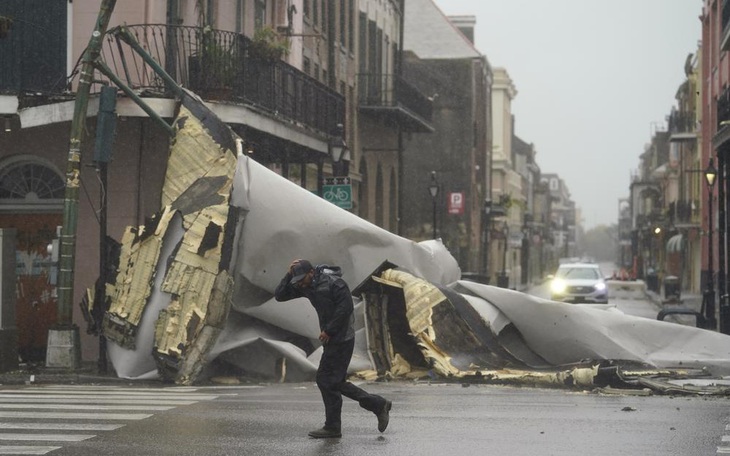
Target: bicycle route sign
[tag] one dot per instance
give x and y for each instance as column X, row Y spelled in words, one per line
column 338, row 191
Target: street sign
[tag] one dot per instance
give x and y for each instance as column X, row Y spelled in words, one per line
column 456, row 203
column 338, row 191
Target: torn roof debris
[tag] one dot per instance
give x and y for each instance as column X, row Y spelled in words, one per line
column 193, row 295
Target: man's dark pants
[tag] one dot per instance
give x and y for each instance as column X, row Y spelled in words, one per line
column 331, row 380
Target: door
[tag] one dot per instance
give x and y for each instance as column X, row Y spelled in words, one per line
column 31, row 201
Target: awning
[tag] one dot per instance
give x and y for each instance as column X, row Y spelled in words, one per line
column 674, row 244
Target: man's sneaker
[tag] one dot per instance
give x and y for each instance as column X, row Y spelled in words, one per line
column 384, row 416
column 325, row 433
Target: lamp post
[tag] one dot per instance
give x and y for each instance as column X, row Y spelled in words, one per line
column 487, row 226
column 339, row 152
column 708, row 297
column 503, row 280
column 433, row 189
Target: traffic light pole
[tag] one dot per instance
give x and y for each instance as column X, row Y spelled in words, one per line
column 63, row 340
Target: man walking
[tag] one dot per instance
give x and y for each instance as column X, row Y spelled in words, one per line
column 331, row 298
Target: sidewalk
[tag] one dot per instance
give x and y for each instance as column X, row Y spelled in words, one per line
column 88, row 373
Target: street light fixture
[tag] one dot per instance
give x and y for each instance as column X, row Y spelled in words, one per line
column 433, row 189
column 708, row 297
column 339, row 152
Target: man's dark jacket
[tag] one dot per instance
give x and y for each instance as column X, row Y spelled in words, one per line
column 330, row 297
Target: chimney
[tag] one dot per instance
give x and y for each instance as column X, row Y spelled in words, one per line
column 465, row 24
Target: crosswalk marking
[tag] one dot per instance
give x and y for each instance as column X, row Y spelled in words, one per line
column 76, row 416
column 51, row 426
column 27, row 449
column 150, row 408
column 101, row 394
column 47, row 437
column 87, row 400
column 74, row 413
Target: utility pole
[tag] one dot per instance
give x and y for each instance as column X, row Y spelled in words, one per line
column 63, row 340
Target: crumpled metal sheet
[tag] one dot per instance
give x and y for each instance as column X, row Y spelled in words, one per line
column 195, row 289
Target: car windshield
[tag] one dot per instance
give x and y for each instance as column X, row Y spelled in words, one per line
column 578, row 273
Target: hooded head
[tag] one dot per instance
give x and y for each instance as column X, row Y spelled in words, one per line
column 300, row 270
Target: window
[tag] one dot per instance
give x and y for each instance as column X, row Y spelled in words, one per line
column 240, row 13
column 259, row 14
column 343, row 23
column 315, row 11
column 26, row 181
column 307, row 66
column 351, row 26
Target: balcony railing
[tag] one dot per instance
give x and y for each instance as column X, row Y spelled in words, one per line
column 681, row 124
column 223, row 66
column 388, row 93
column 723, row 108
column 681, row 212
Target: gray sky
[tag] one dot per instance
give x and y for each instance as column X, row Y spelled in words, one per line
column 594, row 79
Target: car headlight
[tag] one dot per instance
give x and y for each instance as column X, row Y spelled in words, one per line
column 600, row 286
column 558, row 286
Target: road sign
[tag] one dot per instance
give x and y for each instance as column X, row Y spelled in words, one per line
column 338, row 191
column 456, row 203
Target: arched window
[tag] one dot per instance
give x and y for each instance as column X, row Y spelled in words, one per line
column 30, row 183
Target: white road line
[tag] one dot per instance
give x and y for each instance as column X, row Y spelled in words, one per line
column 178, row 389
column 50, row 426
column 146, row 408
column 46, row 437
column 110, row 396
column 87, row 400
column 723, row 450
column 160, row 394
column 27, row 449
column 726, row 438
column 76, row 416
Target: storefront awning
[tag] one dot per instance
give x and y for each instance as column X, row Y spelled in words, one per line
column 674, row 244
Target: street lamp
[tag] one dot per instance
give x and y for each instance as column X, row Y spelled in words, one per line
column 433, row 189
column 708, row 297
column 487, row 226
column 503, row 280
column 339, row 152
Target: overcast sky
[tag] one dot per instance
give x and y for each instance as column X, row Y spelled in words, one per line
column 594, row 79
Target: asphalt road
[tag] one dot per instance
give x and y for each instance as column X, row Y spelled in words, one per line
column 427, row 419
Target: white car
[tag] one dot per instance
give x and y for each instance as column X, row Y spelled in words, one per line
column 579, row 282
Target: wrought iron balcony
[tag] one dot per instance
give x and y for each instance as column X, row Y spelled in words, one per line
column 723, row 108
column 682, row 126
column 681, row 213
column 225, row 66
column 392, row 97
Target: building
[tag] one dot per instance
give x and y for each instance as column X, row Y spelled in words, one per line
column 254, row 53
column 715, row 146
column 444, row 64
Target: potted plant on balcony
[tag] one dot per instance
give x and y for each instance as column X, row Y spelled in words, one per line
column 213, row 66
column 6, row 24
column 267, row 45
